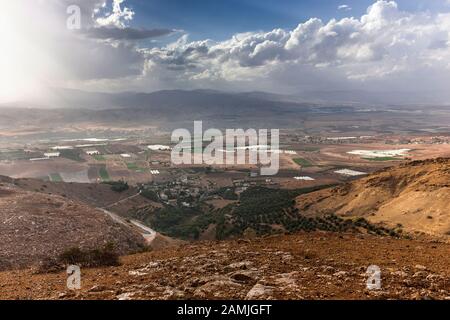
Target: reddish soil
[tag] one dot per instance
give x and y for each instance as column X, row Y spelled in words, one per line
column 303, row 266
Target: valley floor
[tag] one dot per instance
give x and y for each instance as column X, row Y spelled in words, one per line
column 303, row 266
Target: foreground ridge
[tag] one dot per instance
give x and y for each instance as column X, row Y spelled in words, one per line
column 315, row 265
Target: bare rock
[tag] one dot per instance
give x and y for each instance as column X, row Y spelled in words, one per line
column 259, row 292
column 98, row 288
column 244, row 276
column 216, row 288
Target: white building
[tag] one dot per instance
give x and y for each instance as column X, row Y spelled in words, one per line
column 62, row 148
column 159, row 147
column 305, row 178
column 52, row 154
column 349, row 172
column 92, row 152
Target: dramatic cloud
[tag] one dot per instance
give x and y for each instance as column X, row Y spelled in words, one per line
column 384, row 49
column 384, row 45
column 38, row 50
column 119, row 17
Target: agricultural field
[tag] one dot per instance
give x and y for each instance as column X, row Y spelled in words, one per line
column 11, row 155
column 133, row 166
column 303, row 162
column 317, row 159
column 104, row 175
column 74, row 155
column 78, row 177
column 99, row 157
column 55, row 177
column 380, row 153
column 309, row 149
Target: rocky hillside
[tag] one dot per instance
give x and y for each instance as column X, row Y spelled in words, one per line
column 316, row 265
column 35, row 226
column 413, row 197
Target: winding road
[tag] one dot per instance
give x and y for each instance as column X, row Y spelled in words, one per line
column 148, row 233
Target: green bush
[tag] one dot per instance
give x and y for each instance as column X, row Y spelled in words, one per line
column 150, row 194
column 118, row 186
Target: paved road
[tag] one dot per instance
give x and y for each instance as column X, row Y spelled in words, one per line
column 148, row 233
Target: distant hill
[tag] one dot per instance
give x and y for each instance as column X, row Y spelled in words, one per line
column 170, row 109
column 56, row 98
column 413, row 197
column 60, row 98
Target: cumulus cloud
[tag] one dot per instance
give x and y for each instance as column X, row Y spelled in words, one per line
column 119, row 17
column 109, row 20
column 385, row 48
column 383, row 44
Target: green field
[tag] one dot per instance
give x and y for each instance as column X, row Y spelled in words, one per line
column 99, row 157
column 72, row 155
column 309, row 149
column 104, row 175
column 18, row 155
column 303, row 162
column 134, row 167
column 55, row 177
column 382, row 159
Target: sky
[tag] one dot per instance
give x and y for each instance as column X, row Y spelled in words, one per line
column 221, row 19
column 279, row 46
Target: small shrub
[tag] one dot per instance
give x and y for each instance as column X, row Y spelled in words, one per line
column 101, row 257
column 49, row 265
column 105, row 256
column 72, row 256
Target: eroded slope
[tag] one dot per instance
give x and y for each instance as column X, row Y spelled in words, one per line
column 414, row 196
column 34, row 226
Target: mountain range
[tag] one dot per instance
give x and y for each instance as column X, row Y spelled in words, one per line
column 171, row 109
